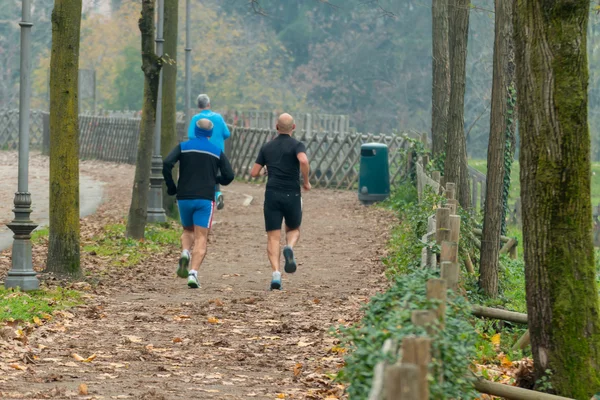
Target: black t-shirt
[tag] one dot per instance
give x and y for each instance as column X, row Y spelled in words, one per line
column 280, row 156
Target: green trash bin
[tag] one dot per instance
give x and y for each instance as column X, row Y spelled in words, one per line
column 374, row 175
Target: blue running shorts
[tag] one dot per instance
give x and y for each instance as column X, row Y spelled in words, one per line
column 198, row 212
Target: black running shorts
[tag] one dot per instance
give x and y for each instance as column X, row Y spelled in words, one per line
column 280, row 206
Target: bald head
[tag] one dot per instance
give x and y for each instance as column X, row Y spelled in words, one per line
column 204, row 128
column 285, row 124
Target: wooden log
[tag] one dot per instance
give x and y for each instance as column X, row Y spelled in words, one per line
column 436, row 290
column 450, row 190
column 496, row 313
column 508, row 246
column 512, row 392
column 436, row 176
column 449, row 272
column 454, row 228
column 479, row 232
column 523, row 341
column 449, row 251
column 468, row 263
column 442, row 220
column 514, row 252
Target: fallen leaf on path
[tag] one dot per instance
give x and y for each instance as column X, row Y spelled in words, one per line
column 19, row 367
column 37, row 321
column 281, row 396
column 305, row 344
column 177, row 340
column 213, row 320
column 79, row 358
column 297, row 369
column 316, row 301
column 83, row 389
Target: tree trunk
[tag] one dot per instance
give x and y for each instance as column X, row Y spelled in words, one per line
column 441, row 76
column 562, row 294
column 63, row 248
column 494, row 207
column 169, row 94
column 151, row 64
column 456, row 167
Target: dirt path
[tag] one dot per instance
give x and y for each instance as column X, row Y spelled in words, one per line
column 232, row 339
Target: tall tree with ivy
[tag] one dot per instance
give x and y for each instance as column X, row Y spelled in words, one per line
column 441, row 76
column 63, row 246
column 501, row 121
column 456, row 168
column 560, row 272
column 151, row 65
column 169, row 93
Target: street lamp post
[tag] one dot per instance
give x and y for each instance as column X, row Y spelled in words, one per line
column 21, row 273
column 188, row 66
column 156, row 212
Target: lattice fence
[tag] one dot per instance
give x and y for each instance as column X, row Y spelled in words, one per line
column 334, row 157
column 9, row 129
column 304, row 121
column 107, row 138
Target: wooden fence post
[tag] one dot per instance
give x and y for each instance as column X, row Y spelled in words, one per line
column 417, row 351
column 402, row 382
column 442, row 221
column 449, row 272
column 436, row 290
column 450, row 190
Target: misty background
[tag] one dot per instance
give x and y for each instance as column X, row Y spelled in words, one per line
column 368, row 59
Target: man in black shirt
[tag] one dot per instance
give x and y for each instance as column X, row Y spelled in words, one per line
column 199, row 164
column 284, row 158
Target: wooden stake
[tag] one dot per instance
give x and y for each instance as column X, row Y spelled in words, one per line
column 452, row 204
column 436, row 290
column 425, row 319
column 402, row 382
column 417, row 351
column 449, row 272
column 435, row 175
column 442, row 221
column 449, row 251
column 450, row 190
column 454, row 228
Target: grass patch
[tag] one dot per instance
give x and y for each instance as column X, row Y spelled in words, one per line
column 39, row 235
column 16, row 305
column 127, row 252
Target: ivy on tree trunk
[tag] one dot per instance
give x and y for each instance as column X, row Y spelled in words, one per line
column 560, row 273
column 493, row 208
column 151, row 64
column 63, row 247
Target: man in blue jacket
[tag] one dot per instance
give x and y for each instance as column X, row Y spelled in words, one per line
column 200, row 163
column 219, row 135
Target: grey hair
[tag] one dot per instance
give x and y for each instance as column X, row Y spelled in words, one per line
column 203, row 101
column 205, row 124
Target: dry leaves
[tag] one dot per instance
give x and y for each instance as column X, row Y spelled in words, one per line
column 81, row 359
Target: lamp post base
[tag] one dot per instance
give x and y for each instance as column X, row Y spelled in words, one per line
column 156, row 212
column 21, row 273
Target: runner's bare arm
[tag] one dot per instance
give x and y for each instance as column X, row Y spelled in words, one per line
column 304, row 168
column 255, row 173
